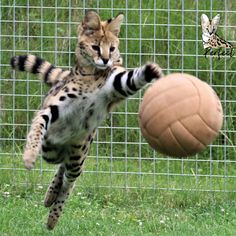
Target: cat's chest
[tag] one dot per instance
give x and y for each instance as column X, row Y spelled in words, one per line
column 205, row 38
column 81, row 110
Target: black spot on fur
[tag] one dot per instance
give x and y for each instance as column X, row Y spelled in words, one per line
column 46, row 118
column 91, row 112
column 92, row 104
column 84, row 147
column 73, row 175
column 21, row 62
column 91, row 140
column 75, row 158
column 70, row 166
column 89, row 137
column 66, row 89
column 82, row 162
column 51, row 160
column 71, row 95
column 46, row 76
column 130, row 82
column 46, row 149
column 37, row 65
column 117, row 84
column 55, row 113
column 62, row 98
column 76, row 146
column 150, row 73
column 86, row 125
column 78, row 168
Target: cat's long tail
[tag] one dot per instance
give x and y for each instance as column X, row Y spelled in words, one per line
column 36, row 65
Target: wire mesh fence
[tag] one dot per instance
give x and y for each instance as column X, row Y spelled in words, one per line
column 166, row 32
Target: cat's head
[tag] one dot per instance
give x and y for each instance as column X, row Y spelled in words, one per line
column 98, row 40
column 209, row 27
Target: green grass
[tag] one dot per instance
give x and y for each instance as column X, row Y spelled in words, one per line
column 110, row 212
column 113, row 197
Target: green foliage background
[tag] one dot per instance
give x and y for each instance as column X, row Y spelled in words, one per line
column 167, row 32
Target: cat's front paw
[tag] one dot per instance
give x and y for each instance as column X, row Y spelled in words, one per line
column 29, row 159
column 153, row 71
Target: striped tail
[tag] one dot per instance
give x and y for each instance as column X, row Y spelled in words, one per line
column 45, row 70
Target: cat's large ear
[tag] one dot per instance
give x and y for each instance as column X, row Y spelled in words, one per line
column 204, row 21
column 115, row 24
column 215, row 21
column 91, row 22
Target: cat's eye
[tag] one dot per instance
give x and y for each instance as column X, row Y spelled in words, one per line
column 96, row 48
column 112, row 49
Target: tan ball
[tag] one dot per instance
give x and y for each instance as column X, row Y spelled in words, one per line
column 180, row 115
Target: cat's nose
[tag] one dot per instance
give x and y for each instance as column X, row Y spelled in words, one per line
column 105, row 61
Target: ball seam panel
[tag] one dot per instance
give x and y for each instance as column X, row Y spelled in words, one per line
column 192, row 134
column 159, row 94
column 177, row 141
column 214, row 131
column 200, row 100
column 155, row 114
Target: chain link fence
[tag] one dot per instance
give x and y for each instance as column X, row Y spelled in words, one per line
column 166, row 32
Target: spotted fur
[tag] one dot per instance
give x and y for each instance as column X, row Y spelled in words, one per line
column 78, row 101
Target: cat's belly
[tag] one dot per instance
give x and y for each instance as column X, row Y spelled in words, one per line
column 76, row 126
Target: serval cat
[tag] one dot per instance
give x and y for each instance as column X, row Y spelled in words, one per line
column 78, row 101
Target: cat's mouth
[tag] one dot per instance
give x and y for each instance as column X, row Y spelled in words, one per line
column 100, row 64
column 102, row 67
